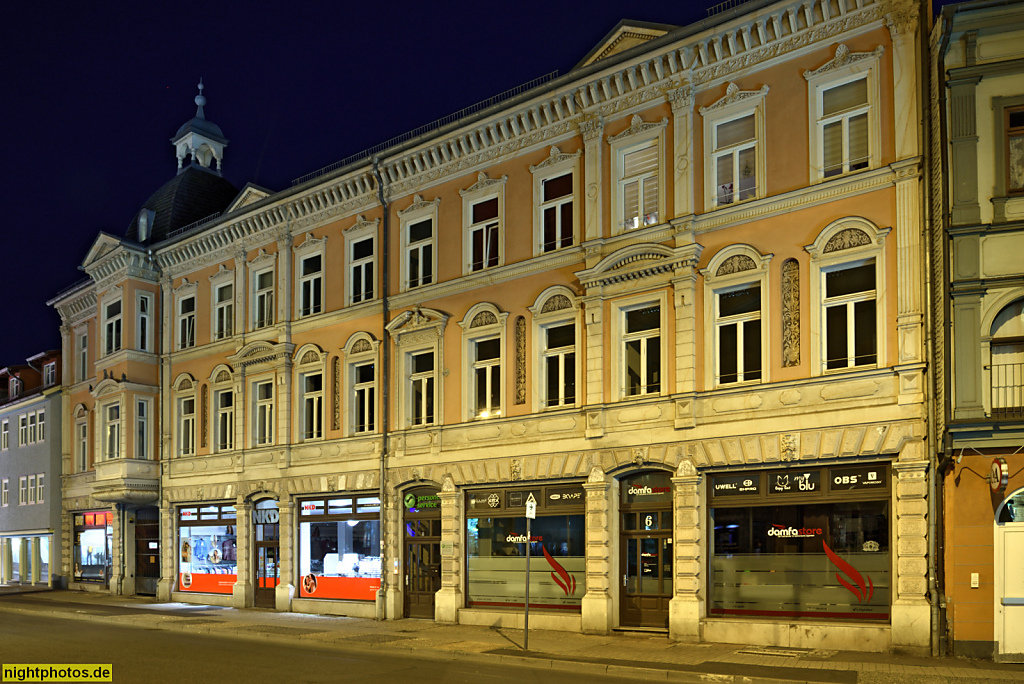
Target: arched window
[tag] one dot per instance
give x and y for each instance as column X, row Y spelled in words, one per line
column 1007, row 348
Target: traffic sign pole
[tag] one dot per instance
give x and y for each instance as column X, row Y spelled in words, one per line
column 531, row 513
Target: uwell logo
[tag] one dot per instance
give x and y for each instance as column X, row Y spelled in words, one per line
column 792, row 532
column 646, row 491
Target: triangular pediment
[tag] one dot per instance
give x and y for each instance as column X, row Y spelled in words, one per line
column 626, row 35
column 103, row 245
column 250, row 194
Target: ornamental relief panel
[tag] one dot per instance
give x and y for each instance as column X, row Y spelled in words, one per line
column 790, row 313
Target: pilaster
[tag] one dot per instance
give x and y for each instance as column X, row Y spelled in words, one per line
column 391, row 538
column 596, row 609
column 592, row 130
column 903, row 21
column 686, row 607
column 593, row 319
column 284, row 278
column 242, row 593
column 911, row 621
column 285, row 591
column 910, row 283
column 968, row 386
column 684, row 297
column 240, row 290
column 449, row 598
column 168, row 559
column 117, row 550
column 681, row 100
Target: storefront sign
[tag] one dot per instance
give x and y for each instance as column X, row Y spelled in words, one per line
column 733, row 485
column 265, row 516
column 794, row 482
column 418, row 501
column 564, row 496
column 864, row 477
column 790, row 532
column 647, row 488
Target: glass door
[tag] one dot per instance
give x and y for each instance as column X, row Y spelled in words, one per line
column 646, row 544
column 267, row 574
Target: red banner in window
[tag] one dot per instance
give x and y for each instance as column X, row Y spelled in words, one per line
column 206, row 583
column 352, row 588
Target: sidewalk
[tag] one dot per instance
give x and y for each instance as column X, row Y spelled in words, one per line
column 628, row 654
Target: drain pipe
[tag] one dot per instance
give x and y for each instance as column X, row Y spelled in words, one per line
column 384, row 385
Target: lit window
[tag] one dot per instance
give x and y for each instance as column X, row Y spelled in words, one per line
column 844, row 128
column 735, row 160
column 638, row 185
column 311, row 285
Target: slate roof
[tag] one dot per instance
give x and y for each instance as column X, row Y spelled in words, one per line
column 193, row 194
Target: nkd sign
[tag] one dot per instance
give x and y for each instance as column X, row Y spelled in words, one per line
column 265, row 516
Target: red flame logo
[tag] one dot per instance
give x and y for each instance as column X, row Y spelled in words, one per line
column 863, row 591
column 567, row 581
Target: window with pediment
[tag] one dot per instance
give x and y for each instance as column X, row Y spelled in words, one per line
column 555, row 356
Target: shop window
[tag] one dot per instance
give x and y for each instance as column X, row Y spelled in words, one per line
column 339, row 548
column 496, row 544
column 207, row 549
column 91, row 554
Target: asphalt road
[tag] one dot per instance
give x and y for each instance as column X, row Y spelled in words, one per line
column 152, row 655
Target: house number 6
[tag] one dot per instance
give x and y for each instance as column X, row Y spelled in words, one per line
column 648, row 521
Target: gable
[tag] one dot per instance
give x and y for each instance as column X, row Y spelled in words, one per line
column 625, row 36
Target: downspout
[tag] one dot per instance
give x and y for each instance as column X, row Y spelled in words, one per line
column 385, row 384
column 937, row 527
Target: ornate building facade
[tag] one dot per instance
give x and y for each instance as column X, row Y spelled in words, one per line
column 674, row 296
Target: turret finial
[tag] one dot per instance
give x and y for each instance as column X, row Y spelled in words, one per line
column 200, row 101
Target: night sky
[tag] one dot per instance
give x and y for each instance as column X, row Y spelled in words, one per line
column 92, row 93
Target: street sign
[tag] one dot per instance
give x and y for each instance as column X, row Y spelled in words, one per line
column 531, row 507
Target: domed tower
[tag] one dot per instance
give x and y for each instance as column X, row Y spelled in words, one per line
column 197, row 192
column 200, row 139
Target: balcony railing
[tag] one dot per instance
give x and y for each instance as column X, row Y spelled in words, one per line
column 1008, row 390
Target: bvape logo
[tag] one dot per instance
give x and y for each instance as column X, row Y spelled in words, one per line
column 863, row 590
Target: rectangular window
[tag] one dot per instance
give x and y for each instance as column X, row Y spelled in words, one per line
column 486, row 387
column 40, row 489
column 1015, row 150
column 142, row 429
column 112, row 437
column 40, row 426
column 112, row 326
column 735, row 160
column 22, row 491
column 556, row 211
column 421, row 378
column 83, row 356
column 642, row 351
column 187, row 426
column 31, row 489
column 13, row 387
column 225, row 426
column 264, row 413
column 559, row 365
column 638, row 185
column 313, row 406
column 187, row 322
column 83, row 447
column 22, row 430
column 363, row 401
column 311, row 285
column 31, row 428
column 738, row 331
column 850, row 320
column 224, row 311
column 484, row 234
column 420, row 255
column 4, row 492
column 5, row 435
column 263, row 315
column 49, row 374
column 362, row 270
column 844, row 128
column 143, row 327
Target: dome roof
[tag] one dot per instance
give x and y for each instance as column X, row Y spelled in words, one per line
column 203, row 127
column 191, row 195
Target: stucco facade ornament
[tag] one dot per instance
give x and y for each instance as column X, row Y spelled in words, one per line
column 205, row 404
column 590, row 128
column 790, row 313
column 680, row 98
column 555, row 156
column 186, row 288
column 556, row 302
column 361, row 346
column 686, row 468
column 636, row 127
column 223, row 273
column 262, row 259
column 482, row 183
column 520, row 360
column 447, row 484
column 483, row 318
column 419, row 203
column 842, row 59
column 736, row 264
column 517, row 470
column 596, row 476
column 332, row 483
column 789, row 446
column 336, row 399
column 639, row 457
column 310, row 243
column 846, row 239
column 733, row 94
column 361, row 223
column 902, row 17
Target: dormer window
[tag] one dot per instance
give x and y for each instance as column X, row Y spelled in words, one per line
column 50, row 373
column 14, row 387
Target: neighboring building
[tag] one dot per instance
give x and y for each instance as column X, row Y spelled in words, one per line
column 30, row 448
column 979, row 126
column 675, row 296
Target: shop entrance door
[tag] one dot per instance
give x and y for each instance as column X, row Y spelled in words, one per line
column 267, row 553
column 147, row 550
column 645, row 545
column 422, row 551
column 1011, row 598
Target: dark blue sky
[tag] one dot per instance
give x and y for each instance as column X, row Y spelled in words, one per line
column 93, row 92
